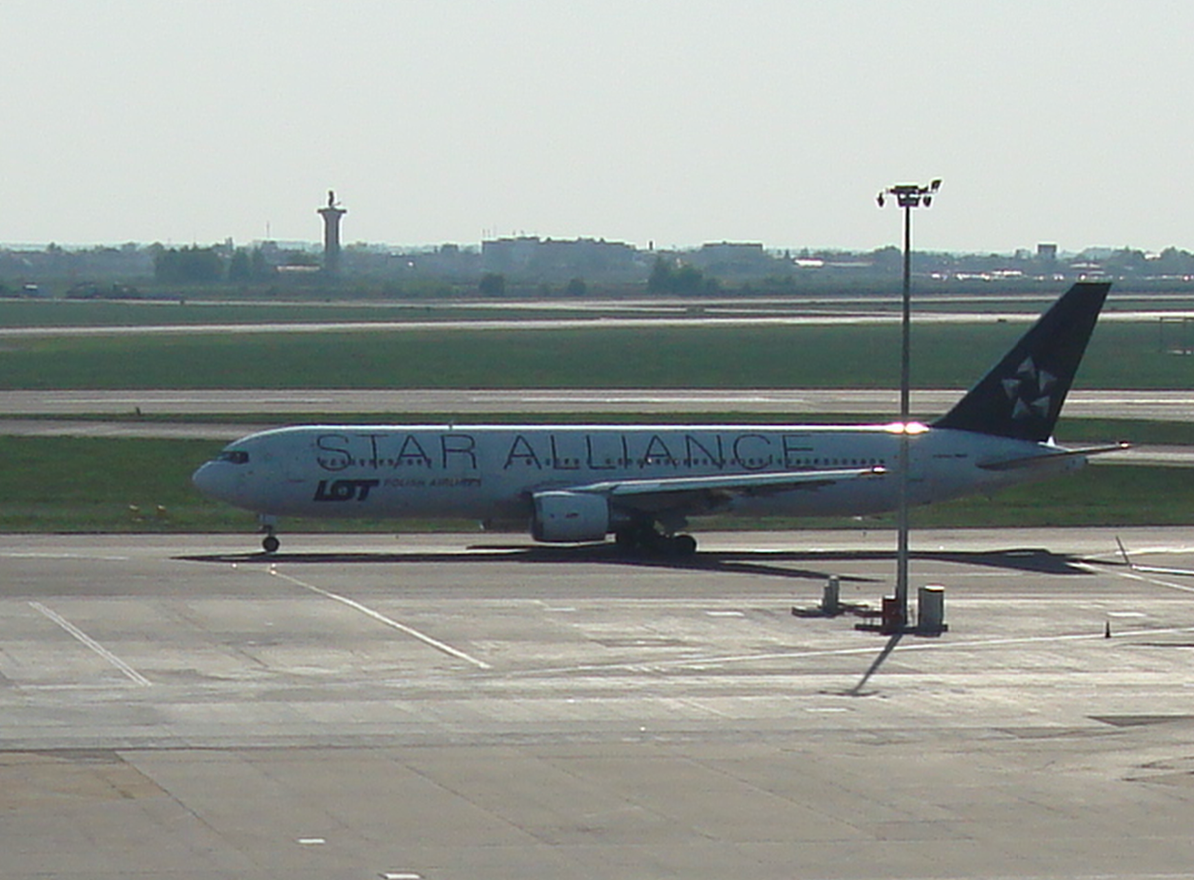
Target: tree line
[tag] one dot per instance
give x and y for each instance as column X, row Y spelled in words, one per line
column 209, row 265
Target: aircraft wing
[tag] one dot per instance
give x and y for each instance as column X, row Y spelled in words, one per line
column 706, row 493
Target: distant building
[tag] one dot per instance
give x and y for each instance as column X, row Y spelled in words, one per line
column 530, row 257
column 727, row 259
column 509, row 255
column 448, row 261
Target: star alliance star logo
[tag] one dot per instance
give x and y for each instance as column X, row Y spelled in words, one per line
column 1030, row 390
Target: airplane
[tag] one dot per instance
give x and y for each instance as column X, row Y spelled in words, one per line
column 641, row 483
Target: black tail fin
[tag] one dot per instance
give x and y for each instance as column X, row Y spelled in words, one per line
column 1022, row 396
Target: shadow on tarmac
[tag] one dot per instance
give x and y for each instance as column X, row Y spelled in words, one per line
column 812, row 564
column 857, row 690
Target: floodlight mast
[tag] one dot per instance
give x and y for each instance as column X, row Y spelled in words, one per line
column 907, row 196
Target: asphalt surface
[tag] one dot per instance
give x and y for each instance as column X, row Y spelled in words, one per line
column 761, row 312
column 1152, row 405
column 463, row 706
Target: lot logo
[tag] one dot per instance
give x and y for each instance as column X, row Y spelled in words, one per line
column 344, row 490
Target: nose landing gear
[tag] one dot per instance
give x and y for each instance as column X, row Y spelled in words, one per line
column 270, row 542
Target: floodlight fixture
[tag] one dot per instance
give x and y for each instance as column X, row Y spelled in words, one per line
column 910, row 195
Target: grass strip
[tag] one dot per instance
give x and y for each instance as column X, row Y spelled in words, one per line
column 1121, row 355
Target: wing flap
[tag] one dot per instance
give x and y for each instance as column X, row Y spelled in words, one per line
column 728, row 484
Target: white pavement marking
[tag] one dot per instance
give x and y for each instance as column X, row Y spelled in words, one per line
column 1137, row 576
column 660, row 666
column 91, row 643
column 390, row 622
column 24, row 555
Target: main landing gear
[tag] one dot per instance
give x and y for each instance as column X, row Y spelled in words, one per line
column 647, row 541
column 270, row 542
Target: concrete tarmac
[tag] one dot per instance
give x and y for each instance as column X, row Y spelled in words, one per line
column 468, row 706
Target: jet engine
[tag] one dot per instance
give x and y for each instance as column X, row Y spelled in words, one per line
column 562, row 516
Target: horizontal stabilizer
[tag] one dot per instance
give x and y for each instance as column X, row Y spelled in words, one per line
column 1029, row 461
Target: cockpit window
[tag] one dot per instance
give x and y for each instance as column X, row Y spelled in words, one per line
column 233, row 456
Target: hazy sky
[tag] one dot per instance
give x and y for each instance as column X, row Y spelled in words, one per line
column 674, row 122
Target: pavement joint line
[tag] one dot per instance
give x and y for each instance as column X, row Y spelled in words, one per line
column 134, row 675
column 388, row 621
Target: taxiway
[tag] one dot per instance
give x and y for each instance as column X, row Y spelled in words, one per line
column 464, row 706
column 1162, row 405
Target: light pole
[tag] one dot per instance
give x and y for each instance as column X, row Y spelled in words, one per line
column 908, row 196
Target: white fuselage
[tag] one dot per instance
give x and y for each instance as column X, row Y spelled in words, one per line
column 491, row 472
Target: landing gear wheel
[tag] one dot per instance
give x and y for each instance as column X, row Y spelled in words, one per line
column 268, row 524
column 646, row 541
column 639, row 540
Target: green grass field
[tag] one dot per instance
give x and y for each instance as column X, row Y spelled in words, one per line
column 65, row 484
column 1121, row 355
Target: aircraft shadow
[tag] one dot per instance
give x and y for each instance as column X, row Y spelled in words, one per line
column 810, row 564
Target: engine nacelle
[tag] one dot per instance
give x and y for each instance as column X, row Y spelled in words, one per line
column 570, row 516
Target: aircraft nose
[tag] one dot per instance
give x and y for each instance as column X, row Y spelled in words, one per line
column 209, row 479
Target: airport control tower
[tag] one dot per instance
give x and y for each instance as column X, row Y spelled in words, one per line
column 331, row 234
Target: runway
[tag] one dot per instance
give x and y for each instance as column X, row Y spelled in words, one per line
column 1159, row 405
column 570, row 316
column 460, row 706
